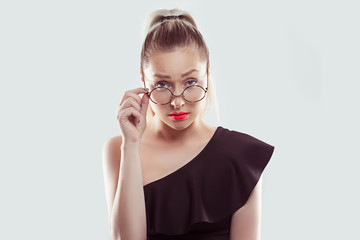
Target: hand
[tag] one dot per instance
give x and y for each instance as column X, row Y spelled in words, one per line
column 131, row 114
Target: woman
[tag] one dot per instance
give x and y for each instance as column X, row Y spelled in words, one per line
column 170, row 174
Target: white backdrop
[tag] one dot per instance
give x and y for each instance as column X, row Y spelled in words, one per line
column 286, row 72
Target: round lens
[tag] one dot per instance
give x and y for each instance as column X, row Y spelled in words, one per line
column 160, row 95
column 194, row 93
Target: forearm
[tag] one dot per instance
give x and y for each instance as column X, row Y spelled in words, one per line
column 128, row 218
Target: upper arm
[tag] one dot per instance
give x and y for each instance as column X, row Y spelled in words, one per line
column 246, row 221
column 111, row 164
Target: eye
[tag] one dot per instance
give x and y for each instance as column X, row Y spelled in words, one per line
column 161, row 85
column 191, row 82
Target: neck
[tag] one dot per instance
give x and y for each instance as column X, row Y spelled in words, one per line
column 166, row 133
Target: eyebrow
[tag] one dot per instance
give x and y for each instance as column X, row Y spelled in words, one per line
column 183, row 75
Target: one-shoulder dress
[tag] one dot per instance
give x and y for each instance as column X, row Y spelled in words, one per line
column 197, row 200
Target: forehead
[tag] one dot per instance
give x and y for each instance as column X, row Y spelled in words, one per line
column 175, row 63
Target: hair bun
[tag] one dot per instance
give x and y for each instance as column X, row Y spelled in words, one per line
column 171, row 17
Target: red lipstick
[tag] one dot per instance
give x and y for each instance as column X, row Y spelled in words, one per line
column 178, row 115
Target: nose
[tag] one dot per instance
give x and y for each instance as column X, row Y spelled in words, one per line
column 177, row 101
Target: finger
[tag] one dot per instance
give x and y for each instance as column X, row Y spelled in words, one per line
column 130, row 102
column 144, row 104
column 126, row 113
column 134, row 93
column 128, row 95
column 127, row 105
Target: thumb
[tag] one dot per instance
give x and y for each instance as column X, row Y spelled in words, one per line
column 144, row 104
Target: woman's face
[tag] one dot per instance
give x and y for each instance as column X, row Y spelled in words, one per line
column 176, row 70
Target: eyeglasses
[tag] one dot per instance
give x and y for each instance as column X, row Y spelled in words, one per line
column 162, row 96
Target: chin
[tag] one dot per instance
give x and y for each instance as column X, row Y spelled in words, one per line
column 179, row 125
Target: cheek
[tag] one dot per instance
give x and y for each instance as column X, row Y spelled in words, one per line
column 201, row 105
column 197, row 107
column 156, row 108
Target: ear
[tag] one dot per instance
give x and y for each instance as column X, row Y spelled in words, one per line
column 141, row 76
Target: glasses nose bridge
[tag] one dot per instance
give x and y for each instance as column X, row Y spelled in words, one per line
column 181, row 94
column 174, row 98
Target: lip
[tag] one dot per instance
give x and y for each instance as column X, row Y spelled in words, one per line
column 178, row 115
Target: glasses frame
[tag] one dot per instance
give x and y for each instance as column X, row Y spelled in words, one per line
column 182, row 94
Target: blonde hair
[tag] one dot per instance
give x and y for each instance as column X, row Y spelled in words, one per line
column 167, row 30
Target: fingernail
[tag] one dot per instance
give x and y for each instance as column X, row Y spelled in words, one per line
column 146, row 89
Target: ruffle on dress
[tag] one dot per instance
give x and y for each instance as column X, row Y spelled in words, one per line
column 209, row 188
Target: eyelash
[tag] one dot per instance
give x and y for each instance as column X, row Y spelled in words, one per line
column 191, row 80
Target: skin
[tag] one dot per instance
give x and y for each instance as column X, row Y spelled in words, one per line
column 162, row 141
column 164, row 137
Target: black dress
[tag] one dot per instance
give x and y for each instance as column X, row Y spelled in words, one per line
column 197, row 200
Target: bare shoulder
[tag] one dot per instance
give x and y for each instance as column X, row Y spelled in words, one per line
column 111, row 165
column 113, row 141
column 112, row 149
